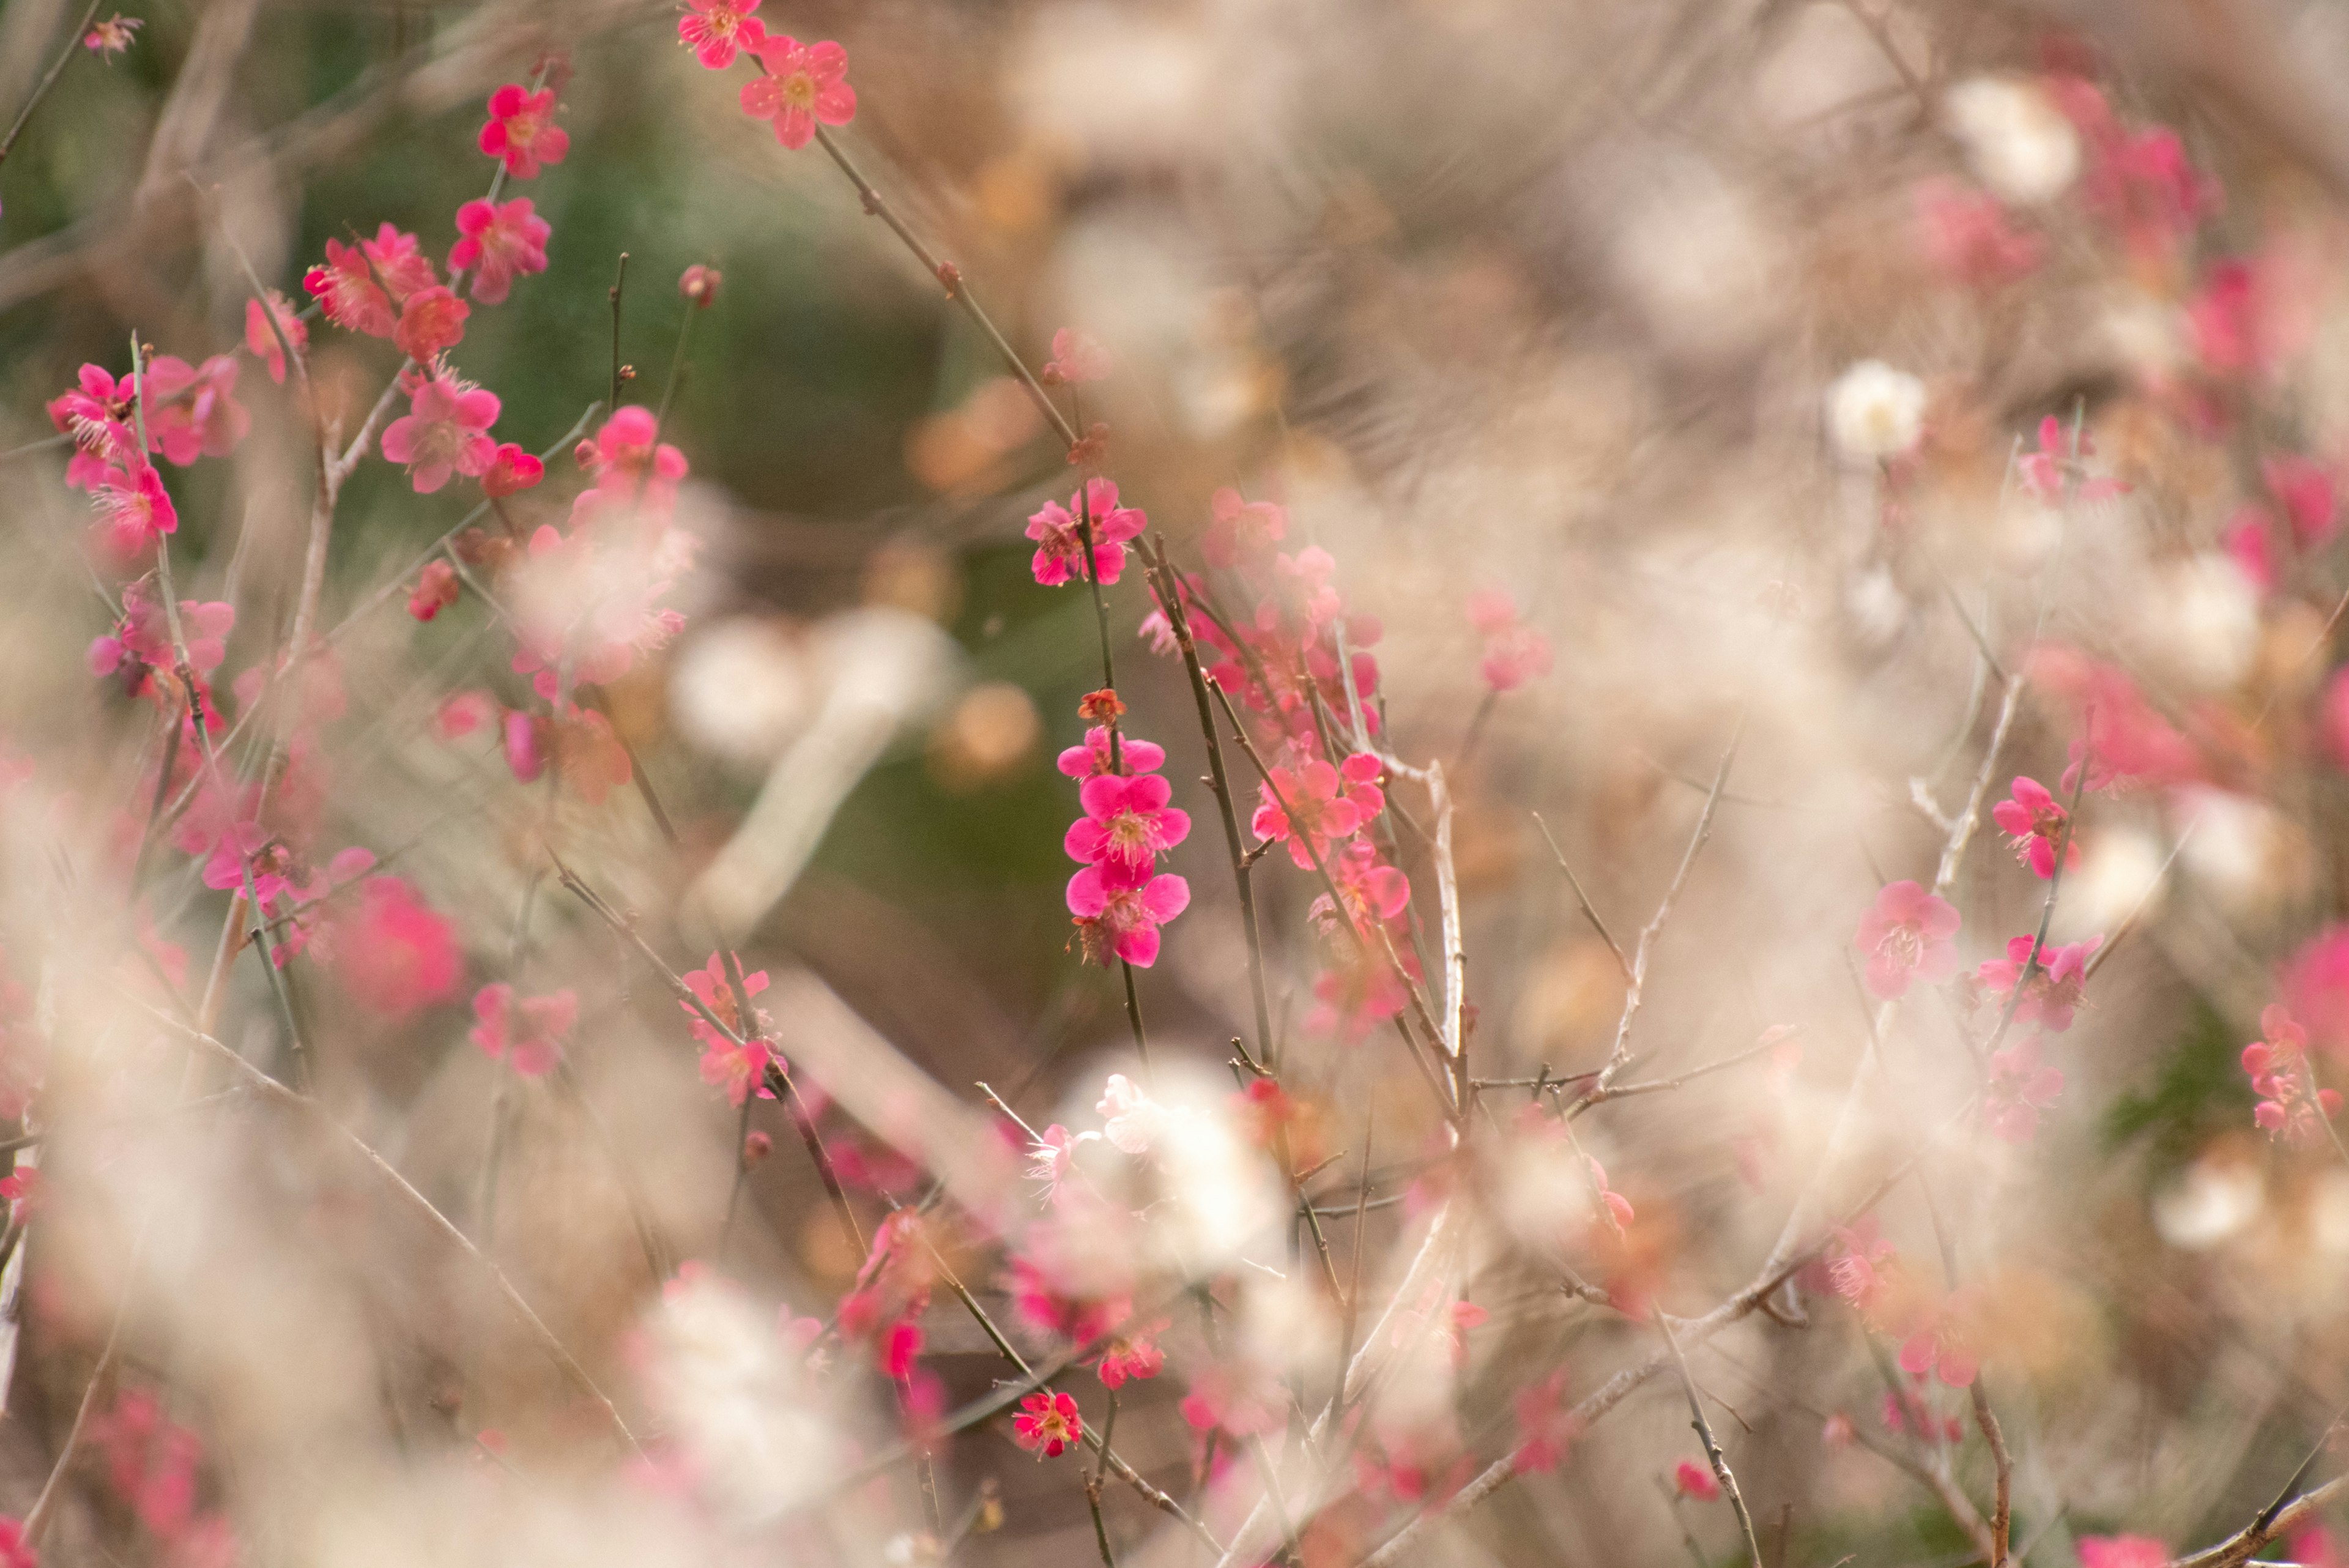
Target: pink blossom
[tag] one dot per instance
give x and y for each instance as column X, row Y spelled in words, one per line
column 739, row 1069
column 630, row 466
column 430, row 320
column 1132, row 1355
column 1119, row 909
column 715, row 28
column 1967, row 237
column 133, row 508
column 1324, row 804
column 1514, row 654
column 1236, row 1398
column 2225, row 320
column 1059, row 533
column 2122, row 1552
column 2020, row 1087
column 1690, row 1478
column 464, row 714
column 2246, row 541
column 95, row 413
column 2292, row 1108
column 2315, row 988
column 521, row 130
column 2126, row 739
column 1941, row 1347
column 2305, row 491
column 1354, row 997
column 497, row 244
column 23, row 1188
column 1131, row 1120
column 1240, row 530
column 443, row 430
column 2034, row 820
column 140, row 641
column 1373, row 891
column 528, row 1031
column 1905, row 937
column 1077, row 357
column 1860, row 1267
column 396, row 956
column 1127, row 821
column 510, row 471
column 699, row 285
column 1048, row 1425
column 1051, row 1155
column 2311, row 1546
column 1093, row 757
column 2054, row 990
column 191, row 411
column 263, row 343
column 1547, row 1426
column 435, row 590
column 346, row 284
column 801, row 84
column 111, row 36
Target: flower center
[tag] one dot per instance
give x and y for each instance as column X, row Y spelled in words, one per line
column 799, row 90
column 1904, row 945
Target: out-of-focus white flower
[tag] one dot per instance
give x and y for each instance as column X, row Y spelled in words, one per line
column 757, row 1441
column 2120, row 869
column 2214, row 1201
column 1876, row 411
column 2233, row 843
column 1131, row 1120
column 1877, row 608
column 2204, row 618
column 2017, row 141
column 740, row 688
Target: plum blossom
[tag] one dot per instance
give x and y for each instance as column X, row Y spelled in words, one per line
column 1077, row 357
column 2053, row 992
column 2020, row 1087
column 133, row 509
column 1133, row 1354
column 699, row 285
column 1131, row 1120
column 1322, row 805
column 1127, row 821
column 2033, row 821
column 1967, row 237
column 1048, row 1425
column 520, row 133
column 1905, row 937
column 1059, row 533
column 510, row 471
column 1875, row 411
column 111, row 36
column 2306, row 491
column 527, row 1031
column 397, row 955
column 430, row 320
column 496, row 243
column 95, row 413
column 1547, row 1426
column 1051, row 1156
column 1241, row 530
column 2315, row 987
column 739, row 1069
column 444, row 431
column 1118, row 910
column 2122, row 1552
column 1941, row 1347
column 1093, row 756
column 1860, row 1267
column 2291, row 1105
column 191, row 411
column 263, row 343
column 2016, row 138
column 140, row 642
column 1514, row 653
column 715, row 28
column 801, row 84
column 1692, row 1480
column 346, row 286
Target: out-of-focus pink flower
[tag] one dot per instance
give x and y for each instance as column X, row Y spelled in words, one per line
column 1373, row 892
column 2034, row 820
column 630, row 466
column 2224, row 319
column 1324, row 805
column 510, row 471
column 699, row 285
column 111, row 36
column 522, row 132
column 444, row 431
column 1048, row 1425
column 1968, row 238
column 1692, row 1480
column 133, row 508
column 1131, row 1120
column 1077, row 357
column 2311, row 1546
column 1118, row 910
column 140, row 641
column 263, row 343
column 191, row 411
column 1233, row 1396
column 1050, row 1157
column 2055, row 991
column 1905, row 937
column 1514, row 653
column 1059, row 533
column 2292, row 1108
column 430, row 320
column 497, row 244
column 1240, row 530
column 435, row 590
column 15, row 1551
column 2305, row 491
column 1547, row 1427
column 465, row 713
column 1093, row 757
column 2020, row 1087
column 2126, row 740
column 1355, row 996
column 801, row 83
column 2122, row 1552
column 714, row 29
column 1860, row 1267
column 1132, row 1355
column 739, row 1069
column 1127, row 821
column 2315, row 988
column 2247, row 542
column 22, row 1189
column 1942, row 1346
column 527, row 1031
column 395, row 956
column 345, row 286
